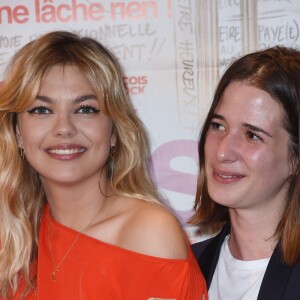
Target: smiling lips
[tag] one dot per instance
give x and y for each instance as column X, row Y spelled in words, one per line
column 66, row 151
column 226, row 177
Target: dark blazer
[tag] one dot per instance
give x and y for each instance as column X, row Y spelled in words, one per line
column 280, row 282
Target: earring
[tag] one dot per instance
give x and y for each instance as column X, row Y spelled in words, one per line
column 22, row 153
column 111, row 155
column 112, row 152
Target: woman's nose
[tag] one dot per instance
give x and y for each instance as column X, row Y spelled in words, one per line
column 227, row 150
column 64, row 126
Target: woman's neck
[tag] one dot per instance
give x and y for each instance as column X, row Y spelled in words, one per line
column 252, row 237
column 74, row 206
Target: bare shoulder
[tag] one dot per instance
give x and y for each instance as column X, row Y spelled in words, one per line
column 153, row 230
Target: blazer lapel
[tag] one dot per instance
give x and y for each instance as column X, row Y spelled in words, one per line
column 276, row 278
column 209, row 258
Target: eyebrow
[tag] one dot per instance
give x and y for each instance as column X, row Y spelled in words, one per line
column 247, row 125
column 75, row 101
column 257, row 129
column 216, row 116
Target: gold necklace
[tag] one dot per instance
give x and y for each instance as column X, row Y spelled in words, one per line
column 56, row 267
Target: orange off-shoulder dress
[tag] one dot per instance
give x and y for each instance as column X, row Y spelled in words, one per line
column 96, row 270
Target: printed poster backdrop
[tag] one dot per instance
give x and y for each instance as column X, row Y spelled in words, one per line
column 173, row 53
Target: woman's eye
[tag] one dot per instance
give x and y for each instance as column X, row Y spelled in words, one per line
column 40, row 110
column 217, row 126
column 87, row 110
column 252, row 136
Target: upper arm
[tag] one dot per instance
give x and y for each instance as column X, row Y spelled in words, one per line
column 154, row 231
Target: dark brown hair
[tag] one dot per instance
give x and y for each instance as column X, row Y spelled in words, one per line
column 276, row 71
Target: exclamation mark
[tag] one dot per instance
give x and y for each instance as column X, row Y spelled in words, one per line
column 169, row 15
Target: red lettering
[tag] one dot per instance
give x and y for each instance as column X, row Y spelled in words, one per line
column 75, row 7
column 66, row 13
column 7, row 10
column 19, row 14
column 96, row 12
column 133, row 10
column 141, row 89
column 59, row 13
column 114, row 11
column 135, row 85
column 136, row 90
column 144, row 80
column 153, row 6
column 49, row 14
column 136, row 80
column 37, row 11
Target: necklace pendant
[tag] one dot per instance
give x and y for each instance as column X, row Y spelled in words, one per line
column 53, row 275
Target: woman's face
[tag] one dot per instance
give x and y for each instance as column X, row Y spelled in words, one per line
column 246, row 150
column 65, row 136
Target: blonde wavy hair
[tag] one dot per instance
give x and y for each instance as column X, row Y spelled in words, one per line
column 22, row 198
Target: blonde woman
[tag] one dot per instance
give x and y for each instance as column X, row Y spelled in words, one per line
column 79, row 214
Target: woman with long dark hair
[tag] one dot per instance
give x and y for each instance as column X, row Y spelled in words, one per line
column 249, row 180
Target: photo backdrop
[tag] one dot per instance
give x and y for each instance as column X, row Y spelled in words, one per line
column 173, row 53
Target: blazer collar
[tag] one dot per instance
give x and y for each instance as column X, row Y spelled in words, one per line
column 276, row 276
column 210, row 256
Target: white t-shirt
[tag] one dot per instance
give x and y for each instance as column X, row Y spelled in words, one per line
column 236, row 279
